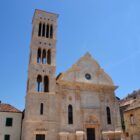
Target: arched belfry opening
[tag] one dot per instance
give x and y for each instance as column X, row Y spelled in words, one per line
column 49, row 56
column 51, row 31
column 47, row 31
column 108, row 115
column 39, row 83
column 70, row 114
column 43, row 31
column 40, row 28
column 46, row 84
column 39, row 55
column 44, row 59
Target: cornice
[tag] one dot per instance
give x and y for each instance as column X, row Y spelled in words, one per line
column 85, row 86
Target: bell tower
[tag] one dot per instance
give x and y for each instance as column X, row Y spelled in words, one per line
column 42, row 63
column 40, row 119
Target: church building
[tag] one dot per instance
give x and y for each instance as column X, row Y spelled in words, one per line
column 79, row 104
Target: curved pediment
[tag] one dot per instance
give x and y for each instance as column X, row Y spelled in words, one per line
column 92, row 119
column 86, row 70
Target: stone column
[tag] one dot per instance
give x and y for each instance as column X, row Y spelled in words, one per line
column 79, row 135
column 63, row 135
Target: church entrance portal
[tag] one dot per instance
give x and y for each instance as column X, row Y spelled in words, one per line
column 90, row 133
column 40, row 137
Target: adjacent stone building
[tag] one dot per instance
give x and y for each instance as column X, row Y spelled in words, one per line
column 130, row 115
column 132, row 121
column 10, row 122
column 79, row 104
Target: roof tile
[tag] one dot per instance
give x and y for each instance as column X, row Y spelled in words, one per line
column 8, row 108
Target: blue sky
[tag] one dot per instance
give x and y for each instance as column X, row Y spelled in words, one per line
column 108, row 29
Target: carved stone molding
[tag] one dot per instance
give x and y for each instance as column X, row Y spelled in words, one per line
column 86, row 86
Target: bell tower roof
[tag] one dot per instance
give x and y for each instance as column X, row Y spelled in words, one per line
column 44, row 14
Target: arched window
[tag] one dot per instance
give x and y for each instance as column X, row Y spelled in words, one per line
column 41, row 109
column 49, row 57
column 46, row 84
column 39, row 55
column 108, row 115
column 47, row 31
column 51, row 31
column 44, row 57
column 39, row 84
column 43, row 31
column 70, row 114
column 40, row 28
column 132, row 120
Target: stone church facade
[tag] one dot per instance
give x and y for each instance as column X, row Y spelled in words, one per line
column 79, row 104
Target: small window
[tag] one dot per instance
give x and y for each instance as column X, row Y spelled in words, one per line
column 132, row 119
column 70, row 114
column 41, row 109
column 9, row 121
column 28, row 85
column 108, row 115
column 127, row 134
column 134, row 97
column 88, row 76
column 7, row 137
